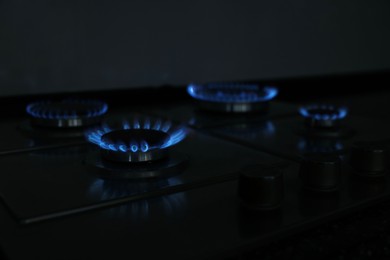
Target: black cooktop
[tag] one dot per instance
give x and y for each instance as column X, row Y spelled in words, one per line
column 236, row 182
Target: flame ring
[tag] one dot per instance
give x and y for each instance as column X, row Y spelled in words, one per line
column 232, row 93
column 138, row 150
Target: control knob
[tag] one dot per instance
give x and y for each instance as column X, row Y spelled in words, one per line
column 261, row 187
column 320, row 172
column 368, row 158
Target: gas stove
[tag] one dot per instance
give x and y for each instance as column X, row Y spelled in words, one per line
column 214, row 177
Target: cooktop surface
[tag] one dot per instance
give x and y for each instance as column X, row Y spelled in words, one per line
column 193, row 181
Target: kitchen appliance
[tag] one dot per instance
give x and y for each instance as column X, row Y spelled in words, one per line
column 182, row 182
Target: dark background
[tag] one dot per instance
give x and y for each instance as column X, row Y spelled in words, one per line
column 76, row 46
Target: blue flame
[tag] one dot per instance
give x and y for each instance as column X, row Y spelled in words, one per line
column 230, row 92
column 328, row 112
column 175, row 135
column 44, row 111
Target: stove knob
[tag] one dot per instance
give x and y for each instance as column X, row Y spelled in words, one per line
column 261, row 187
column 368, row 158
column 320, row 172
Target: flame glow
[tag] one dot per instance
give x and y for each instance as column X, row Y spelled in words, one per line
column 237, row 93
column 175, row 135
column 44, row 110
column 323, row 112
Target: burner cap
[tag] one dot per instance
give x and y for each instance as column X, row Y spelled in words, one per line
column 234, row 98
column 323, row 116
column 66, row 113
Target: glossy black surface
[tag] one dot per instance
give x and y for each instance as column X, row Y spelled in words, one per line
column 210, row 217
column 36, row 184
column 53, row 205
column 192, row 115
column 17, row 135
column 288, row 136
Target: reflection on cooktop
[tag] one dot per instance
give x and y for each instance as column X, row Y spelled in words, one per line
column 66, row 179
column 168, row 205
column 291, row 137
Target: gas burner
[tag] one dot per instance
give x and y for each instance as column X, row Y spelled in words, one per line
column 66, row 113
column 138, row 142
column 324, row 121
column 137, row 150
column 323, row 116
column 232, row 98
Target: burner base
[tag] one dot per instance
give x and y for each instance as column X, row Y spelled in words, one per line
column 105, row 169
column 234, row 107
column 66, row 123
